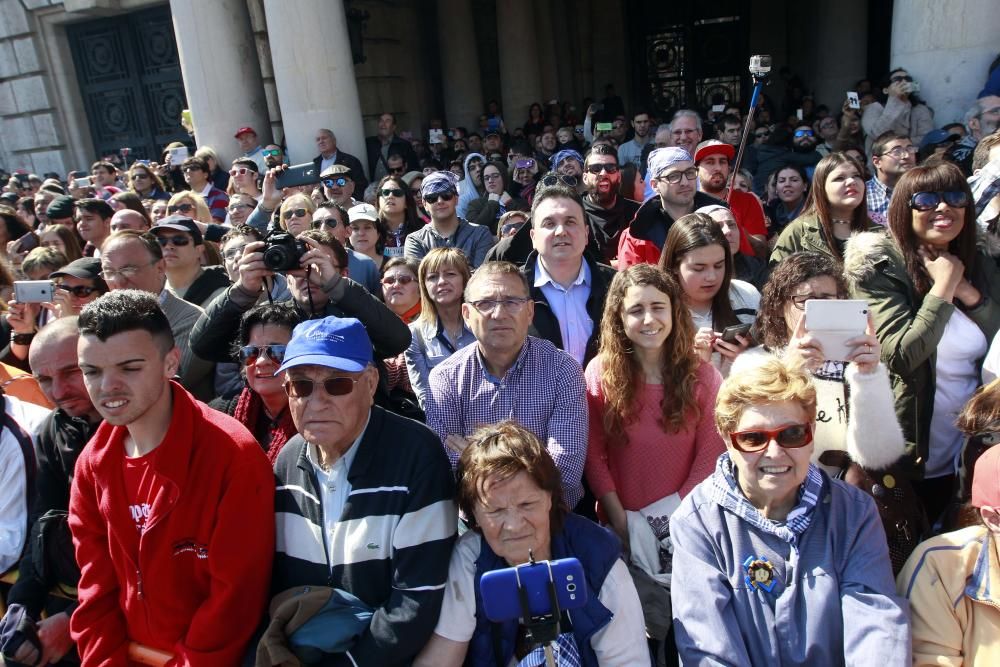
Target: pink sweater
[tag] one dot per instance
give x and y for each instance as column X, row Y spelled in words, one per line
column 654, row 464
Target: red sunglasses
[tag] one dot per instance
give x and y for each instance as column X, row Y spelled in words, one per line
column 789, row 437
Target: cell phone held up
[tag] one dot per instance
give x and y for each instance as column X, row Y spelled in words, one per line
column 33, row 291
column 300, row 174
column 500, row 589
column 26, row 243
column 729, row 334
column 833, row 322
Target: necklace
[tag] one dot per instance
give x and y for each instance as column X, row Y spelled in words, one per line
column 841, row 222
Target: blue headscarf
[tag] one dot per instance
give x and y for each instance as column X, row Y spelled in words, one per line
column 565, row 154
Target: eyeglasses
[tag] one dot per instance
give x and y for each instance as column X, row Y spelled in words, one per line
column 178, row 240
column 556, row 179
column 788, row 437
column 595, row 169
column 273, row 152
column 339, row 182
column 183, row 208
column 799, row 300
column 899, row 152
column 928, row 201
column 79, row 291
column 897, row 79
column 236, row 207
column 803, row 133
column 491, row 177
column 675, row 177
column 126, row 272
column 333, row 386
column 393, row 192
column 233, row 253
column 250, row 353
column 389, row 281
column 444, row 196
column 293, row 213
column 241, row 171
column 512, row 305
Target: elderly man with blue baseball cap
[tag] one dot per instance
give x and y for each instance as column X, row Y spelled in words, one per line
column 365, row 498
column 674, row 178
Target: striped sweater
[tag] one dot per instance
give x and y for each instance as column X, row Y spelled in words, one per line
column 393, row 541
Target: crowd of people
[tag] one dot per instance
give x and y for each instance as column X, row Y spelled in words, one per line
column 248, row 422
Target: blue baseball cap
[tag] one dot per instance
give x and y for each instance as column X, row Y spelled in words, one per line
column 938, row 137
column 335, row 342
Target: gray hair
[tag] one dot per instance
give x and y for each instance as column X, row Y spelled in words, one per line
column 327, row 131
column 685, row 112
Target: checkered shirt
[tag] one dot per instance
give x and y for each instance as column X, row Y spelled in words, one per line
column 878, row 196
column 544, row 391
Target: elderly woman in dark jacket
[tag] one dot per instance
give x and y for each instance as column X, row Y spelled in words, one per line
column 935, row 299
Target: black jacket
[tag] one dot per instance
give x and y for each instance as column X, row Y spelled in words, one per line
column 486, row 212
column 60, row 440
column 213, row 333
column 545, row 325
column 606, row 225
column 398, row 146
column 352, row 163
column 210, row 280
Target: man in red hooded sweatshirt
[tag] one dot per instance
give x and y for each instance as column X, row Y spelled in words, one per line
column 172, row 505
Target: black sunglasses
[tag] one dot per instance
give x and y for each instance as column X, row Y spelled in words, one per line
column 554, row 179
column 444, row 196
column 183, row 208
column 395, row 192
column 339, row 182
column 294, row 213
column 178, row 240
column 79, row 291
column 334, row 387
column 595, row 169
column 928, row 201
column 275, row 353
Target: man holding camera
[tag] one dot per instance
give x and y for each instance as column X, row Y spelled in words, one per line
column 315, row 265
column 364, row 499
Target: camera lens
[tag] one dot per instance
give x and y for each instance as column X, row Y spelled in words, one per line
column 571, row 588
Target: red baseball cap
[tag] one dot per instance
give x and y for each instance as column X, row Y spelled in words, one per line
column 986, row 479
column 244, row 130
column 713, row 147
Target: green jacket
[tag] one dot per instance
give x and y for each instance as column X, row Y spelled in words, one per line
column 804, row 234
column 909, row 329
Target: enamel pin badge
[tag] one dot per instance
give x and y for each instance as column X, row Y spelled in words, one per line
column 760, row 573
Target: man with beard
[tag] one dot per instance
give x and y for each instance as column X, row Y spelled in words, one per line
column 673, row 176
column 713, row 161
column 892, row 156
column 607, row 213
column 804, row 143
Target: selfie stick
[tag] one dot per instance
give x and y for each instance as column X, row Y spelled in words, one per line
column 759, row 74
column 543, row 629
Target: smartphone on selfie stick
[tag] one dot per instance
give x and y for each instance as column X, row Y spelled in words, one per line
column 536, row 592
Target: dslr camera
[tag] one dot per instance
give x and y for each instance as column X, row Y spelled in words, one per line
column 283, row 252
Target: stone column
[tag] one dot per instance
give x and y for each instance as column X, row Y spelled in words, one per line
column 314, row 75
column 546, row 39
column 520, row 80
column 946, row 47
column 218, row 57
column 463, row 87
column 838, row 57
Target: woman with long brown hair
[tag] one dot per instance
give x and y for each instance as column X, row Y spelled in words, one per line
column 397, row 211
column 835, row 208
column 651, row 399
column 935, row 300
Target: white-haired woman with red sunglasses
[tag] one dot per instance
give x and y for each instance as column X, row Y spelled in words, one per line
column 774, row 562
column 262, row 405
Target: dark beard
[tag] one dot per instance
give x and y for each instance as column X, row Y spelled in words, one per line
column 803, row 149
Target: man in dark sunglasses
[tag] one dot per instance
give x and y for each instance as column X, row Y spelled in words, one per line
column 184, row 255
column 77, row 284
column 188, row 479
column 607, row 213
column 446, row 230
column 333, row 219
column 360, row 512
column 339, row 185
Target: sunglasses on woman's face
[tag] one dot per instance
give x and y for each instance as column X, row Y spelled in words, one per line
column 333, row 386
column 444, row 196
column 928, row 201
column 250, row 353
column 392, row 192
column 294, row 213
column 183, row 208
column 788, row 437
column 79, row 291
column 389, row 281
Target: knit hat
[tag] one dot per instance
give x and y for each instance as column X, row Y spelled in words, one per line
column 61, row 207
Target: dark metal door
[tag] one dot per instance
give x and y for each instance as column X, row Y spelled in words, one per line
column 130, row 81
column 690, row 55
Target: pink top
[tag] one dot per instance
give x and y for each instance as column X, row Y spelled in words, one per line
column 654, row 464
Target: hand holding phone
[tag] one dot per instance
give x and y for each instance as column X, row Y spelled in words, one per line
column 834, row 322
column 33, row 291
column 853, row 101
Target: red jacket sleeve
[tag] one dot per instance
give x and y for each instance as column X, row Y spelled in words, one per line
column 633, row 251
column 98, row 625
column 597, row 468
column 239, row 561
column 749, row 216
